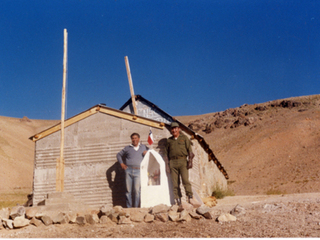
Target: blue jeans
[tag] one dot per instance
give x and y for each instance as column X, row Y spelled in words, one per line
column 132, row 187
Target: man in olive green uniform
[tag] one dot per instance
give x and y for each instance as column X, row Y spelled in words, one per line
column 178, row 148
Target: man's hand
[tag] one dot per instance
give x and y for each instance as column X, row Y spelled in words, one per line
column 144, row 153
column 123, row 166
column 190, row 157
column 189, row 165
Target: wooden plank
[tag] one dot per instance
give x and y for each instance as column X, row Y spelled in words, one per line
column 67, row 123
column 94, row 110
column 132, row 118
column 131, row 85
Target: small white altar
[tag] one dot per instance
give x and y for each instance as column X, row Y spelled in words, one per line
column 154, row 181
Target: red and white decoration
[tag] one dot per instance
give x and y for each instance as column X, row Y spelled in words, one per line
column 150, row 138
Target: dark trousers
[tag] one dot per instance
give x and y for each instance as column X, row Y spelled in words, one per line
column 179, row 168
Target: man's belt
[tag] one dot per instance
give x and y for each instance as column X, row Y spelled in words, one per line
column 133, row 167
column 178, row 157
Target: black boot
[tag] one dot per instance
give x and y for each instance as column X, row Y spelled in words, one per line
column 189, row 198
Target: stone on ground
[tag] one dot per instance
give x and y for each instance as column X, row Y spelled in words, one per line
column 17, row 212
column 149, row 218
column 61, row 218
column 174, row 208
column 36, row 222
column 194, row 215
column 117, row 209
column 46, row 220
column 92, row 218
column 184, row 216
column 195, row 203
column 124, row 220
column 238, row 211
column 81, row 220
column 31, row 212
column 137, row 217
column 8, row 223
column 186, row 206
column 204, row 211
column 104, row 210
column 114, row 217
column 20, row 222
column 106, row 220
column 227, row 217
column 160, row 208
column 174, row 215
column 163, row 217
column 72, row 217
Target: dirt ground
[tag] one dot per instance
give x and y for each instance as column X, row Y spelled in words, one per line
column 292, row 215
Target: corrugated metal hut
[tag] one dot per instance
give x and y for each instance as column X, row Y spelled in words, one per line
column 92, row 140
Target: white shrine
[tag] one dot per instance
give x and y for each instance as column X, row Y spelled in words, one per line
column 155, row 187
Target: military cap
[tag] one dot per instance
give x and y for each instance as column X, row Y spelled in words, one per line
column 174, row 124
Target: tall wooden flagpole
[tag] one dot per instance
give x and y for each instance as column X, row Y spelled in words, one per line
column 60, row 160
column 131, row 85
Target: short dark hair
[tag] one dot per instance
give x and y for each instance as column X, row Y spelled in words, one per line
column 135, row 134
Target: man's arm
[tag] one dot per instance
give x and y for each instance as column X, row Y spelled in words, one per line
column 190, row 154
column 166, row 158
column 119, row 158
column 145, row 151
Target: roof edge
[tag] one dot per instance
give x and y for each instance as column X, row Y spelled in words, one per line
column 98, row 108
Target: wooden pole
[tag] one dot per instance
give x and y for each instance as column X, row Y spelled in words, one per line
column 131, row 85
column 60, row 163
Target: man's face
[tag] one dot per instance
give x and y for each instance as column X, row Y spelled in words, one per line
column 135, row 140
column 175, row 131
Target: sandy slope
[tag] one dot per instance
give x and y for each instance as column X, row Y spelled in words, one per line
column 17, row 151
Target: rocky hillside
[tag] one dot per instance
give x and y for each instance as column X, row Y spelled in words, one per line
column 266, row 148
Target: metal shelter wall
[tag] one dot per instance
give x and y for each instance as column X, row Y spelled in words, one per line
column 92, row 173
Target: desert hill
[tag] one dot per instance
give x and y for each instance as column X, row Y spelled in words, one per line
column 267, row 148
column 17, row 151
column 271, row 147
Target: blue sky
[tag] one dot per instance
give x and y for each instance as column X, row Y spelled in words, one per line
column 187, row 57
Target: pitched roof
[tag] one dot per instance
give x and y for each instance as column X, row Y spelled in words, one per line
column 98, row 108
column 193, row 134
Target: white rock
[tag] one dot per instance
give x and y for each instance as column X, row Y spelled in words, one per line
column 17, row 212
column 19, row 222
column 8, row 223
column 238, row 210
column 227, row 217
